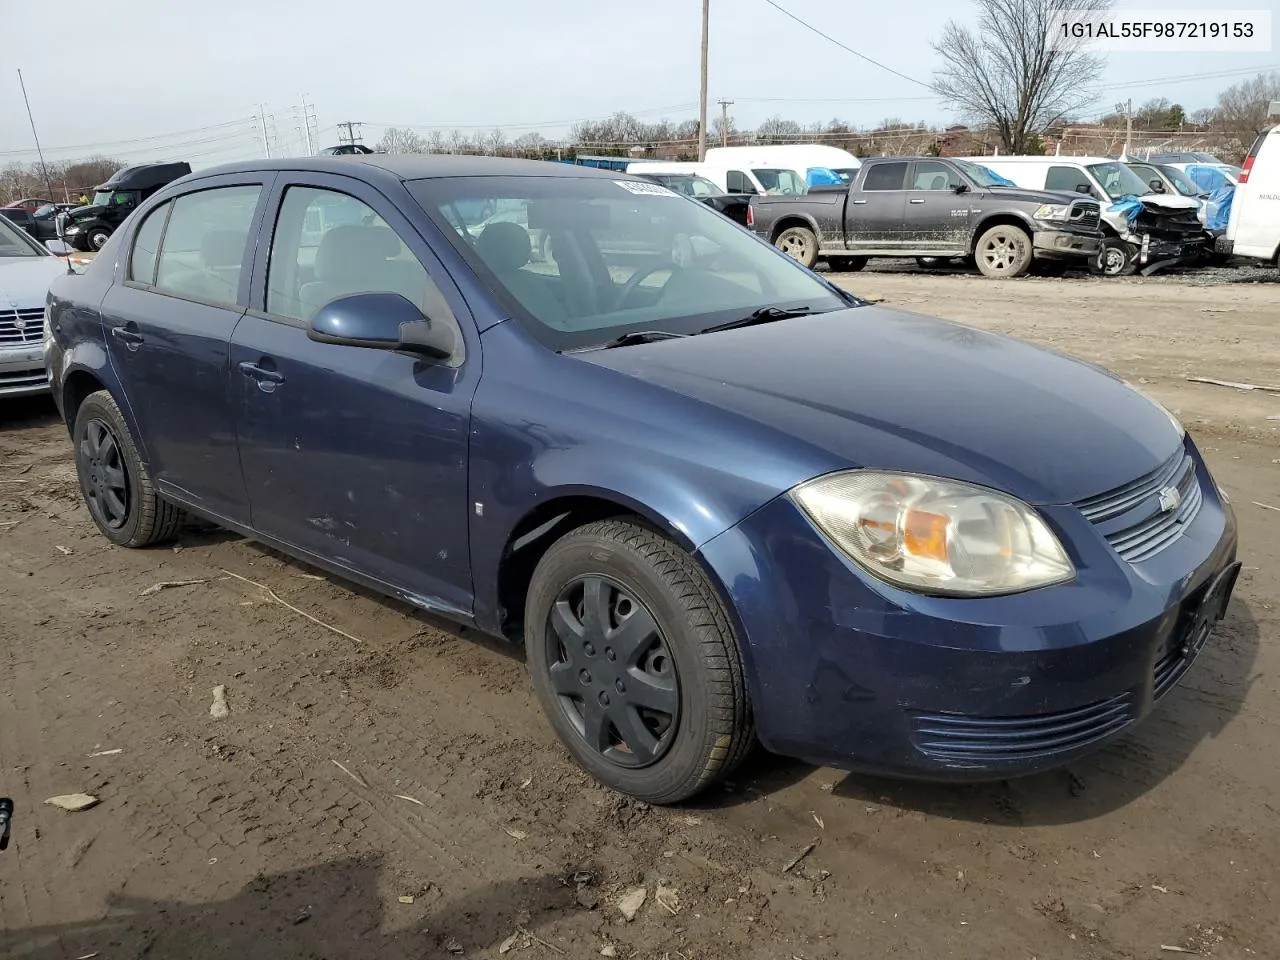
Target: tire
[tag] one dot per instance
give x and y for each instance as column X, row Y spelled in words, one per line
column 1004, row 252
column 1116, row 258
column 800, row 244
column 98, row 237
column 847, row 264
column 931, row 263
column 106, row 453
column 687, row 664
column 81, row 244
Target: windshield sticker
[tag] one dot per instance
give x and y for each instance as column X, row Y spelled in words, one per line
column 644, row 188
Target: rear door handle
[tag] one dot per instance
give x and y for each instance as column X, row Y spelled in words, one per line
column 267, row 379
column 917, row 200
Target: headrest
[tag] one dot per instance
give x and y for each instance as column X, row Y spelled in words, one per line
column 504, row 247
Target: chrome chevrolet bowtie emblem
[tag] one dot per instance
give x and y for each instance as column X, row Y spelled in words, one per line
column 1170, row 498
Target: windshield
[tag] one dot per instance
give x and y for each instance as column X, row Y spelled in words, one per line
column 785, row 182
column 1118, row 180
column 981, row 175
column 17, row 243
column 583, row 260
column 107, row 198
column 689, row 184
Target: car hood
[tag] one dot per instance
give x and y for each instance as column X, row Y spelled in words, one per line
column 1165, row 201
column 24, row 281
column 1034, row 196
column 86, row 212
column 873, row 387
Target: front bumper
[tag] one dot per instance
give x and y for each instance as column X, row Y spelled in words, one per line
column 848, row 671
column 22, row 370
column 1050, row 244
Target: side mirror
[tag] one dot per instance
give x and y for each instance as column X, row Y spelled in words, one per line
column 380, row 321
column 1156, row 186
column 1082, row 188
column 60, row 247
column 961, row 188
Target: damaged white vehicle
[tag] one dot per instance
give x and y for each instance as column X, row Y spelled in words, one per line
column 1142, row 230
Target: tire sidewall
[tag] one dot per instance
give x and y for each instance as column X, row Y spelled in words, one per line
column 1016, row 233
column 588, row 555
column 811, row 242
column 96, row 407
column 1115, row 243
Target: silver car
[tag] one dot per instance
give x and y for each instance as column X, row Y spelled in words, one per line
column 26, row 270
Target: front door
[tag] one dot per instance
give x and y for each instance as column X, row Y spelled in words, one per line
column 936, row 216
column 875, row 210
column 168, row 324
column 356, row 456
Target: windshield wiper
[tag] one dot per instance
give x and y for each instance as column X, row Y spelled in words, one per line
column 763, row 315
column 634, row 337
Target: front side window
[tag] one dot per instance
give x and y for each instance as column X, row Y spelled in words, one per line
column 1067, row 180
column 328, row 245
column 885, row 176
column 590, row 259
column 739, row 182
column 202, row 253
column 146, row 243
column 932, row 175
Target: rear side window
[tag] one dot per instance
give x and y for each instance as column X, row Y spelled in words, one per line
column 202, row 254
column 146, row 243
column 885, row 176
column 1066, row 179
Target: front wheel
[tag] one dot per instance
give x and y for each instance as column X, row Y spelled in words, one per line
column 1004, row 252
column 800, row 244
column 634, row 662
column 114, row 481
column 1117, row 258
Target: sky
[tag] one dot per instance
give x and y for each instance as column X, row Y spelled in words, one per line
column 171, row 79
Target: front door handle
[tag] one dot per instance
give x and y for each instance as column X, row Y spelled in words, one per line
column 859, row 201
column 267, row 379
column 917, row 200
column 128, row 335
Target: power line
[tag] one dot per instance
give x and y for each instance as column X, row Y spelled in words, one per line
column 861, row 56
column 131, row 140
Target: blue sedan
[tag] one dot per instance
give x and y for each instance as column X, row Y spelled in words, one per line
column 717, row 499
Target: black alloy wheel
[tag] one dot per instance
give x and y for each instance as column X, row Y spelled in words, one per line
column 613, row 672
column 106, row 482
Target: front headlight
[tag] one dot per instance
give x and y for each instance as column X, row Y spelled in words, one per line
column 1054, row 211
column 1177, row 424
column 935, row 536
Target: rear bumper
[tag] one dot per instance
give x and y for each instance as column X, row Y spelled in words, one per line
column 22, row 371
column 1061, row 244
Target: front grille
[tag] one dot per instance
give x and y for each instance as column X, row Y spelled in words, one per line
column 22, row 379
column 1086, row 216
column 1143, row 525
column 30, row 320
column 984, row 740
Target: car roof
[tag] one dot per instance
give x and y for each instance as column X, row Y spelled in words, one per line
column 413, row 167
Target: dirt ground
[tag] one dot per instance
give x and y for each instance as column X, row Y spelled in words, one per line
column 399, row 795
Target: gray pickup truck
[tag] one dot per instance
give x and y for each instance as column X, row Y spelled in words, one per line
column 928, row 207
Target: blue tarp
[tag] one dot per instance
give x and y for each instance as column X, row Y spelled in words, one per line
column 998, row 180
column 1207, row 178
column 1218, row 207
column 822, row 177
column 1128, row 205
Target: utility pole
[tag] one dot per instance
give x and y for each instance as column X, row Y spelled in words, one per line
column 702, row 98
column 352, row 134
column 262, row 118
column 1128, row 126
column 35, row 136
column 724, row 121
column 306, row 127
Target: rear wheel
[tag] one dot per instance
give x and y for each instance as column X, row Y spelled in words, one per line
column 846, row 264
column 635, row 663
column 114, row 481
column 1004, row 252
column 98, row 238
column 799, row 243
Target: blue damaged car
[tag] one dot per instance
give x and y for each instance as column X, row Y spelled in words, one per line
column 717, row 499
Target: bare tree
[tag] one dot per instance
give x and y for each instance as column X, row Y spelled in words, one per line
column 397, row 140
column 493, row 142
column 775, row 128
column 1009, row 72
column 1242, row 109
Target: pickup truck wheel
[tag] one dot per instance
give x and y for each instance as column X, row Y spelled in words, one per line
column 98, row 238
column 1116, row 258
column 800, row 244
column 847, row 264
column 634, row 661
column 1004, row 252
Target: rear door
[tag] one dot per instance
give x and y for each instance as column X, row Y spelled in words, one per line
column 936, row 216
column 169, row 318
column 356, row 456
column 876, row 208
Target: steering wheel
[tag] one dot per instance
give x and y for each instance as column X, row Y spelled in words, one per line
column 644, row 272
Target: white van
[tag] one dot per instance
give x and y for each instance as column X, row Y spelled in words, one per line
column 1254, row 227
column 1177, row 234
column 767, row 178
column 801, row 157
